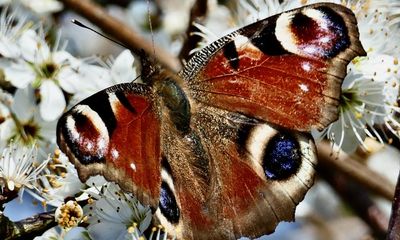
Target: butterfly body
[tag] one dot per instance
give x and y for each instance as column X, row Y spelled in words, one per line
column 222, row 149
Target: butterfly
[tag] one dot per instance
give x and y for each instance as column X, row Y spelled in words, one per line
column 221, row 149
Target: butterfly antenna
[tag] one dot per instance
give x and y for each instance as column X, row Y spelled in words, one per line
column 151, row 26
column 137, row 78
column 80, row 24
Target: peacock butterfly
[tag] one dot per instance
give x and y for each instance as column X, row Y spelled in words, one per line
column 222, row 149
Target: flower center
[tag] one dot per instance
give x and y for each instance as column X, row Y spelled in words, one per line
column 48, row 69
column 2, row 119
column 349, row 99
column 28, row 132
column 30, row 129
column 69, row 214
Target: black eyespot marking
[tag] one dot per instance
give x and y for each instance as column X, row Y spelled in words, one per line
column 266, row 40
column 80, row 152
column 242, row 137
column 304, row 28
column 165, row 165
column 103, row 110
column 338, row 26
column 282, row 157
column 125, row 102
column 231, row 54
column 322, row 41
column 168, row 206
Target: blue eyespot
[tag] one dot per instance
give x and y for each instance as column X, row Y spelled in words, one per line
column 168, row 205
column 282, row 157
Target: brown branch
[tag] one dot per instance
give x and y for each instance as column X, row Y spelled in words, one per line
column 6, row 196
column 27, row 228
column 360, row 173
column 357, row 198
column 394, row 224
column 197, row 15
column 120, row 31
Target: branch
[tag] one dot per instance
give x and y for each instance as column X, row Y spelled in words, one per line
column 120, row 32
column 197, row 14
column 394, row 224
column 6, row 196
column 360, row 173
column 27, row 228
column 357, row 198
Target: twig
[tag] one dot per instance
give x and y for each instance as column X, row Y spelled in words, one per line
column 372, row 180
column 27, row 228
column 356, row 196
column 6, row 196
column 120, row 32
column 394, row 224
column 197, row 14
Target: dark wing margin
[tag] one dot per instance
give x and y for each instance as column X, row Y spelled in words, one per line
column 286, row 69
column 116, row 133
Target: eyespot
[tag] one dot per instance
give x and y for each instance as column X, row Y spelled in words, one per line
column 168, row 206
column 282, row 157
column 85, row 134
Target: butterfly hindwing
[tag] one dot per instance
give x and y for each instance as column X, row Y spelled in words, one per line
column 116, row 133
column 286, row 69
column 247, row 177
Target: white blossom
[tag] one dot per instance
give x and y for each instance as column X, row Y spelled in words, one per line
column 51, row 71
column 123, row 69
column 116, row 215
column 369, row 97
column 19, row 167
column 98, row 77
column 58, row 181
column 77, row 233
column 12, row 26
column 39, row 67
column 25, row 126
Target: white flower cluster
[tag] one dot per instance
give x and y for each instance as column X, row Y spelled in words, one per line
column 40, row 78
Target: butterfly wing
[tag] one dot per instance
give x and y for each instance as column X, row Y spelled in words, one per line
column 286, row 69
column 244, row 178
column 116, row 133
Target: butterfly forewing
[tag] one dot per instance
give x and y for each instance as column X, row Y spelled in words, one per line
column 116, row 133
column 286, row 69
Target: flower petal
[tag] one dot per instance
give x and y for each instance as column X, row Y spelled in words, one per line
column 24, row 104
column 122, row 70
column 108, row 230
column 33, row 47
column 43, row 7
column 61, row 57
column 20, row 74
column 8, row 48
column 52, row 102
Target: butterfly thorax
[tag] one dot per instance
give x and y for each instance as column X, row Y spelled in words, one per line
column 174, row 103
